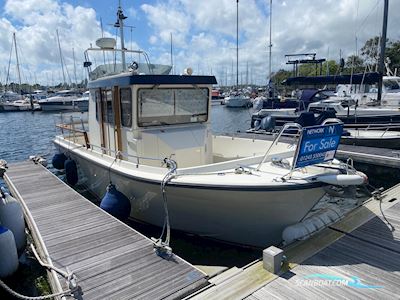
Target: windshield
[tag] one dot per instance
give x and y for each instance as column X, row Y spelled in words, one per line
column 167, row 106
column 391, row 85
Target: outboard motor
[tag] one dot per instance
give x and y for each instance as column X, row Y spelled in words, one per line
column 268, row 123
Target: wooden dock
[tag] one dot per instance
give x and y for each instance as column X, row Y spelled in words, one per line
column 361, row 251
column 110, row 259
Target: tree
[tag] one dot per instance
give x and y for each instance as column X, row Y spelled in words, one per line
column 370, row 51
column 393, row 52
column 354, row 62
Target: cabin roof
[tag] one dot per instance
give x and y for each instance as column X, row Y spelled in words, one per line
column 130, row 79
column 366, row 78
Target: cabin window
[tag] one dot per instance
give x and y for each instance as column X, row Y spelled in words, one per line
column 107, row 97
column 167, row 106
column 97, row 100
column 126, row 107
column 391, row 85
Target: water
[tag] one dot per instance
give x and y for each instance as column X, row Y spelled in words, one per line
column 23, row 134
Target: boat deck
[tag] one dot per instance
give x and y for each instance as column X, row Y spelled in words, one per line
column 110, row 259
column 360, row 251
column 376, row 156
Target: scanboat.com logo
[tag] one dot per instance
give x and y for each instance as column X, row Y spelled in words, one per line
column 330, row 280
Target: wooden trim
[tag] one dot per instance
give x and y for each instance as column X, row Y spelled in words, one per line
column 101, row 103
column 117, row 119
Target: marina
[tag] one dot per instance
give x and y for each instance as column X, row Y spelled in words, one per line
column 171, row 173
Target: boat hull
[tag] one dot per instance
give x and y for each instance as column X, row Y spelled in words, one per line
column 67, row 106
column 246, row 216
column 381, row 142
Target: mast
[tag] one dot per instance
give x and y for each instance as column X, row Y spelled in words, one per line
column 61, row 58
column 16, row 56
column 73, row 55
column 383, row 47
column 172, row 56
column 270, row 40
column 9, row 65
column 120, row 24
column 237, row 44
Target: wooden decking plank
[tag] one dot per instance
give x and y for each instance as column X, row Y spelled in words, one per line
column 107, row 256
column 84, row 250
column 76, row 262
column 54, row 235
column 127, row 285
column 67, row 241
column 135, row 258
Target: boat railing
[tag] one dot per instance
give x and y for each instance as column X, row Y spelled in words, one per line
column 71, row 125
column 381, row 127
column 75, row 126
column 93, row 75
column 299, row 129
column 276, row 140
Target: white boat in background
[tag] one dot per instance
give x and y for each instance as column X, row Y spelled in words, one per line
column 378, row 136
column 150, row 135
column 19, row 105
column 62, row 100
column 9, row 96
column 237, row 100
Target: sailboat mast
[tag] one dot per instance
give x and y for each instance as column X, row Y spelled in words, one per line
column 270, row 39
column 383, row 47
column 237, row 44
column 61, row 58
column 73, row 55
column 16, row 57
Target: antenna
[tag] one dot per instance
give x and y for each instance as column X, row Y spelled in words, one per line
column 120, row 24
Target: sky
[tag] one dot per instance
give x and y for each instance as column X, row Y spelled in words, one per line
column 203, row 33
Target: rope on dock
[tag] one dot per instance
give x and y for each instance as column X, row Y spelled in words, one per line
column 18, row 295
column 69, row 276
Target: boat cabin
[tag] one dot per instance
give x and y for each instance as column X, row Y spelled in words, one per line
column 152, row 116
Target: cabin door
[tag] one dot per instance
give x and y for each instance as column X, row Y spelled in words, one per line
column 108, row 123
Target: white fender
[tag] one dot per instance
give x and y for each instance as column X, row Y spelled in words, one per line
column 343, row 179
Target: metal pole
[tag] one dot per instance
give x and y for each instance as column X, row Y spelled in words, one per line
column 61, row 58
column 172, row 56
column 270, row 39
column 16, row 56
column 76, row 80
column 237, row 44
column 121, row 18
column 383, row 47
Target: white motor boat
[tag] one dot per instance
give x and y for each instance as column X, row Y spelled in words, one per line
column 19, row 105
column 346, row 110
column 237, row 100
column 378, row 136
column 149, row 134
column 61, row 101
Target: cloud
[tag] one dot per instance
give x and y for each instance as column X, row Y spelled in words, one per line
column 203, row 32
column 207, row 30
column 36, row 22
